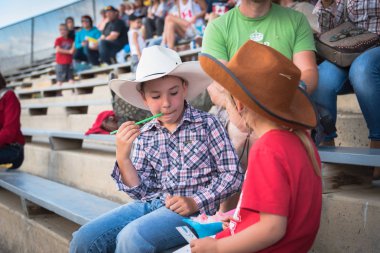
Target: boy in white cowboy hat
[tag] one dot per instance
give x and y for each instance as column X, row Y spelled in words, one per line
column 182, row 162
column 280, row 205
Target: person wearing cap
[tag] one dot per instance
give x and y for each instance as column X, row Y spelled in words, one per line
column 182, row 163
column 136, row 40
column 114, row 36
column 280, row 205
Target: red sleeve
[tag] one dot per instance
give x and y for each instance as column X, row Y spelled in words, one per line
column 266, row 187
column 11, row 125
column 57, row 42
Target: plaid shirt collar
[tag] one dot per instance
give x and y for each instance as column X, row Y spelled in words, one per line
column 190, row 115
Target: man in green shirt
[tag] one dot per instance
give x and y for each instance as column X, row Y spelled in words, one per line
column 283, row 29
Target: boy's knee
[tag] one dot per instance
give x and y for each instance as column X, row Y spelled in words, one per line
column 131, row 239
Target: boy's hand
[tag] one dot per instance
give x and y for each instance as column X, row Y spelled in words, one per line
column 205, row 245
column 184, row 206
column 125, row 136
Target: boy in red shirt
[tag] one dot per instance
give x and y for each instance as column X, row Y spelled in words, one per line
column 64, row 50
column 280, row 205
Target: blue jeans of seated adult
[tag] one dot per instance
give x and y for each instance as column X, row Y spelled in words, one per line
column 12, row 153
column 108, row 50
column 132, row 228
column 88, row 55
column 363, row 78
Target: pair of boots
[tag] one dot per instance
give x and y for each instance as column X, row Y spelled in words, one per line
column 372, row 144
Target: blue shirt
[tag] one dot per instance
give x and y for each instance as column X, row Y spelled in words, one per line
column 80, row 36
column 197, row 160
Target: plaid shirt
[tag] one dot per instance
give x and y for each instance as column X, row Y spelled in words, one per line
column 197, row 160
column 363, row 13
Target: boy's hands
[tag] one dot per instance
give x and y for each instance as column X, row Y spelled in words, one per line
column 226, row 222
column 125, row 136
column 184, row 206
column 205, row 245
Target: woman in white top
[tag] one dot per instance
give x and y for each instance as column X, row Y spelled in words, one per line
column 136, row 40
column 190, row 15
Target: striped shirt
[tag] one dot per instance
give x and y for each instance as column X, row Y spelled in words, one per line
column 197, row 160
column 362, row 13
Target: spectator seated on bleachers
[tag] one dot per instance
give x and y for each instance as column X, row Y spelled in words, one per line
column 123, row 15
column 113, row 38
column 154, row 23
column 362, row 77
column 11, row 139
column 86, row 44
column 103, row 21
column 216, row 8
column 184, row 24
column 139, row 9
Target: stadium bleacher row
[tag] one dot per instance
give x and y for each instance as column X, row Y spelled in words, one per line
column 64, row 180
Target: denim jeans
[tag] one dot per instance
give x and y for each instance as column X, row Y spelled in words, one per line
column 108, row 50
column 134, row 227
column 363, row 78
column 12, row 153
column 87, row 55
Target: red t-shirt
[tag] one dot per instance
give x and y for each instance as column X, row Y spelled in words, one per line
column 64, row 43
column 280, row 180
column 10, row 120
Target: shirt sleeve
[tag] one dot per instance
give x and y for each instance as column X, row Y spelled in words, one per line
column 214, row 42
column 145, row 173
column 11, row 124
column 57, row 42
column 117, row 26
column 266, row 186
column 229, row 176
column 304, row 36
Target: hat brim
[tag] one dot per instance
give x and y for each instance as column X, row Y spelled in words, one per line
column 301, row 113
column 191, row 72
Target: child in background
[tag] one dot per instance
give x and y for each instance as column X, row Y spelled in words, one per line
column 182, row 163
column 136, row 40
column 280, row 205
column 64, row 50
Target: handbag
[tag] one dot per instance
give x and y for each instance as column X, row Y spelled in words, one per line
column 342, row 44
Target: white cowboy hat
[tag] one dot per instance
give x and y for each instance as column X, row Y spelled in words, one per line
column 156, row 62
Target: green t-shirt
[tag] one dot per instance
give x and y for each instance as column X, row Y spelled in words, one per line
column 283, row 29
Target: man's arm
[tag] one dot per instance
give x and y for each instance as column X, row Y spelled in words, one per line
column 112, row 36
column 306, row 62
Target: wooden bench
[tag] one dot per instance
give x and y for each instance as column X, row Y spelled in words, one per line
column 19, row 84
column 81, row 88
column 80, row 107
column 37, row 194
column 64, row 140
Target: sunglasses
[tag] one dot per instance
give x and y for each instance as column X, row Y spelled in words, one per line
column 85, row 20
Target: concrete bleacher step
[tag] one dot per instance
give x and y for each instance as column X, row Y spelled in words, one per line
column 19, row 234
column 350, row 222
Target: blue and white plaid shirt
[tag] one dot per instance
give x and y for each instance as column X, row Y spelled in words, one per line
column 197, row 160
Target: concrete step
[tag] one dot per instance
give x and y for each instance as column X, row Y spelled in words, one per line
column 38, row 234
column 85, row 169
column 350, row 222
column 352, row 130
column 348, row 103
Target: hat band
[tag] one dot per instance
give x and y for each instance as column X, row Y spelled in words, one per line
column 154, row 74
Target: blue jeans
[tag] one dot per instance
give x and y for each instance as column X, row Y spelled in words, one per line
column 363, row 78
column 87, row 55
column 134, row 227
column 108, row 50
column 12, row 153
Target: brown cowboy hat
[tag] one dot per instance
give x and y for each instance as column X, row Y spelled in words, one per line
column 265, row 81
